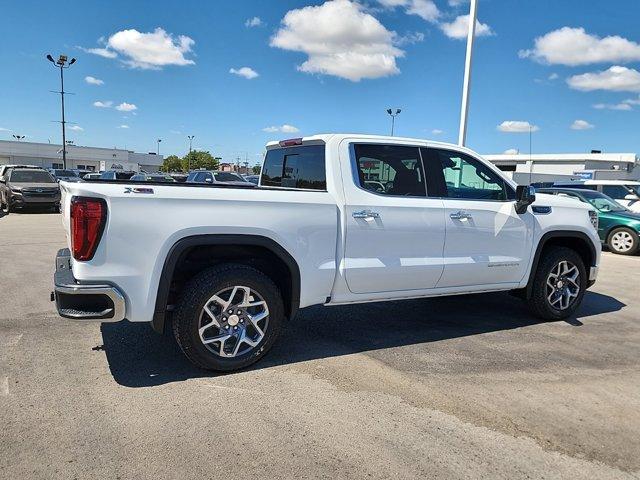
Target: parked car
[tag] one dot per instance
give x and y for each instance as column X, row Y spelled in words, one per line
column 27, row 187
column 116, row 175
column 618, row 227
column 81, row 173
column 179, row 177
column 152, row 177
column 230, row 265
column 625, row 192
column 64, row 175
column 92, row 176
column 255, row 179
column 4, row 169
column 215, row 176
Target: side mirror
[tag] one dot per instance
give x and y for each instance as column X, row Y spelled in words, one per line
column 525, row 196
column 208, row 180
column 631, row 197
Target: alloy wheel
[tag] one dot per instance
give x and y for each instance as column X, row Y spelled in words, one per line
column 563, row 285
column 233, row 321
column 622, row 241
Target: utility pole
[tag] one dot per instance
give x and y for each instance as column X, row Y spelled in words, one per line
column 61, row 63
column 158, row 148
column 464, row 110
column 394, row 113
column 190, row 137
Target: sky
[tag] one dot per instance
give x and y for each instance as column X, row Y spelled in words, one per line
column 237, row 74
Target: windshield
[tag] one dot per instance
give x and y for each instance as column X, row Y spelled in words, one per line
column 228, row 177
column 604, row 203
column 65, row 173
column 31, row 176
column 634, row 189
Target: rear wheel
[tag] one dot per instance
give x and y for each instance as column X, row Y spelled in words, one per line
column 228, row 317
column 623, row 241
column 558, row 284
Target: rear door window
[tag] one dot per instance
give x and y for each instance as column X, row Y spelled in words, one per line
column 615, row 191
column 295, row 167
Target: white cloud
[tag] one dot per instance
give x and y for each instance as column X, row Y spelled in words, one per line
column 126, row 107
column 459, row 28
column 632, row 101
column 615, row 106
column 437, row 131
column 103, row 104
column 456, row 3
column 122, row 126
column 175, row 132
column 283, row 128
column 425, row 9
column 76, row 128
column 511, row 151
column 615, row 79
column 146, row 50
column 581, row 125
column 409, row 38
column 101, row 52
column 245, row 72
column 2, row 129
column 517, row 126
column 574, row 46
column 253, row 22
column 93, row 80
column 553, row 76
column 340, row 39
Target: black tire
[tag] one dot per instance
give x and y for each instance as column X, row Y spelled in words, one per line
column 199, row 290
column 613, row 246
column 539, row 302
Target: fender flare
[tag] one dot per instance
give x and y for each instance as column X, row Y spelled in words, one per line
column 184, row 244
column 545, row 239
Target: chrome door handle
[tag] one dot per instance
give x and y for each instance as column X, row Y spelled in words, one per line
column 365, row 214
column 460, row 215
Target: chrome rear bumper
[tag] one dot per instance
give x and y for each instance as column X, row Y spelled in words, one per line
column 76, row 301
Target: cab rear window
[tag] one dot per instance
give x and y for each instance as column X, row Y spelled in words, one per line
column 295, row 167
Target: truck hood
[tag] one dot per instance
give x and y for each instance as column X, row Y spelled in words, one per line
column 547, row 200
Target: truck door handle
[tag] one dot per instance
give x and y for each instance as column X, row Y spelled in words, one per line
column 365, row 214
column 460, row 215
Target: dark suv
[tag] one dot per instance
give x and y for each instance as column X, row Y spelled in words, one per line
column 25, row 187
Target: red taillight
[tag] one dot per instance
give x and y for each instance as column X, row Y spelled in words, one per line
column 88, row 217
column 292, row 142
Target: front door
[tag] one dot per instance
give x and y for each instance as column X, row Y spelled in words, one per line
column 487, row 242
column 394, row 232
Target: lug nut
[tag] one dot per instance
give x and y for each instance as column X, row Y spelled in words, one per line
column 242, row 320
column 235, row 328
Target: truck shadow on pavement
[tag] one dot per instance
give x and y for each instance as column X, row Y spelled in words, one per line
column 139, row 357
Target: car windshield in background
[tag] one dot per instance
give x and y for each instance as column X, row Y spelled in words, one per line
column 634, row 189
column 602, row 202
column 228, row 177
column 31, row 176
column 161, row 178
column 64, row 173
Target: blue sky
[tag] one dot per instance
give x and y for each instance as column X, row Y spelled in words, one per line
column 323, row 67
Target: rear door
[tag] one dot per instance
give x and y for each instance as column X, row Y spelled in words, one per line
column 394, row 232
column 487, row 242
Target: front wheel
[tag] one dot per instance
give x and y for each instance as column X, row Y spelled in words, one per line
column 228, row 317
column 623, row 241
column 558, row 284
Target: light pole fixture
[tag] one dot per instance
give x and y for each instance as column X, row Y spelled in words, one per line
column 190, row 137
column 18, row 137
column 158, row 147
column 62, row 63
column 394, row 112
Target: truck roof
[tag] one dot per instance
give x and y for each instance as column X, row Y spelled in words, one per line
column 325, row 137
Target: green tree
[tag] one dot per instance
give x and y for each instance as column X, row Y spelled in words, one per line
column 200, row 159
column 172, row 163
column 256, row 169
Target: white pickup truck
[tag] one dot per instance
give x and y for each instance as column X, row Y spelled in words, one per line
column 336, row 219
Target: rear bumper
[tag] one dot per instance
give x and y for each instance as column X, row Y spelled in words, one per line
column 104, row 303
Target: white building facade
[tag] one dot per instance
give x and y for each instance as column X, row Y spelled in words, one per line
column 49, row 155
column 525, row 168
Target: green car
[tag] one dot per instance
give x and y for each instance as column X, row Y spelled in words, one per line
column 618, row 227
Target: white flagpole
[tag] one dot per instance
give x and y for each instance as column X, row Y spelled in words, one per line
column 464, row 110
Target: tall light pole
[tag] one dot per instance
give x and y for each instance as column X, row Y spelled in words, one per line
column 190, row 137
column 18, row 137
column 62, row 63
column 158, row 148
column 464, row 110
column 394, row 113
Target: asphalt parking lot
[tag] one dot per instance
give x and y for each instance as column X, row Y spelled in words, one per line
column 464, row 387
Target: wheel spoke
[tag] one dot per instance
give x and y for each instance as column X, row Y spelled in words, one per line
column 218, row 338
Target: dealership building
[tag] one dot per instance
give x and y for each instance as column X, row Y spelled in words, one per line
column 550, row 167
column 49, row 155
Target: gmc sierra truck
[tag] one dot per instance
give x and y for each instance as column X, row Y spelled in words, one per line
column 336, row 219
